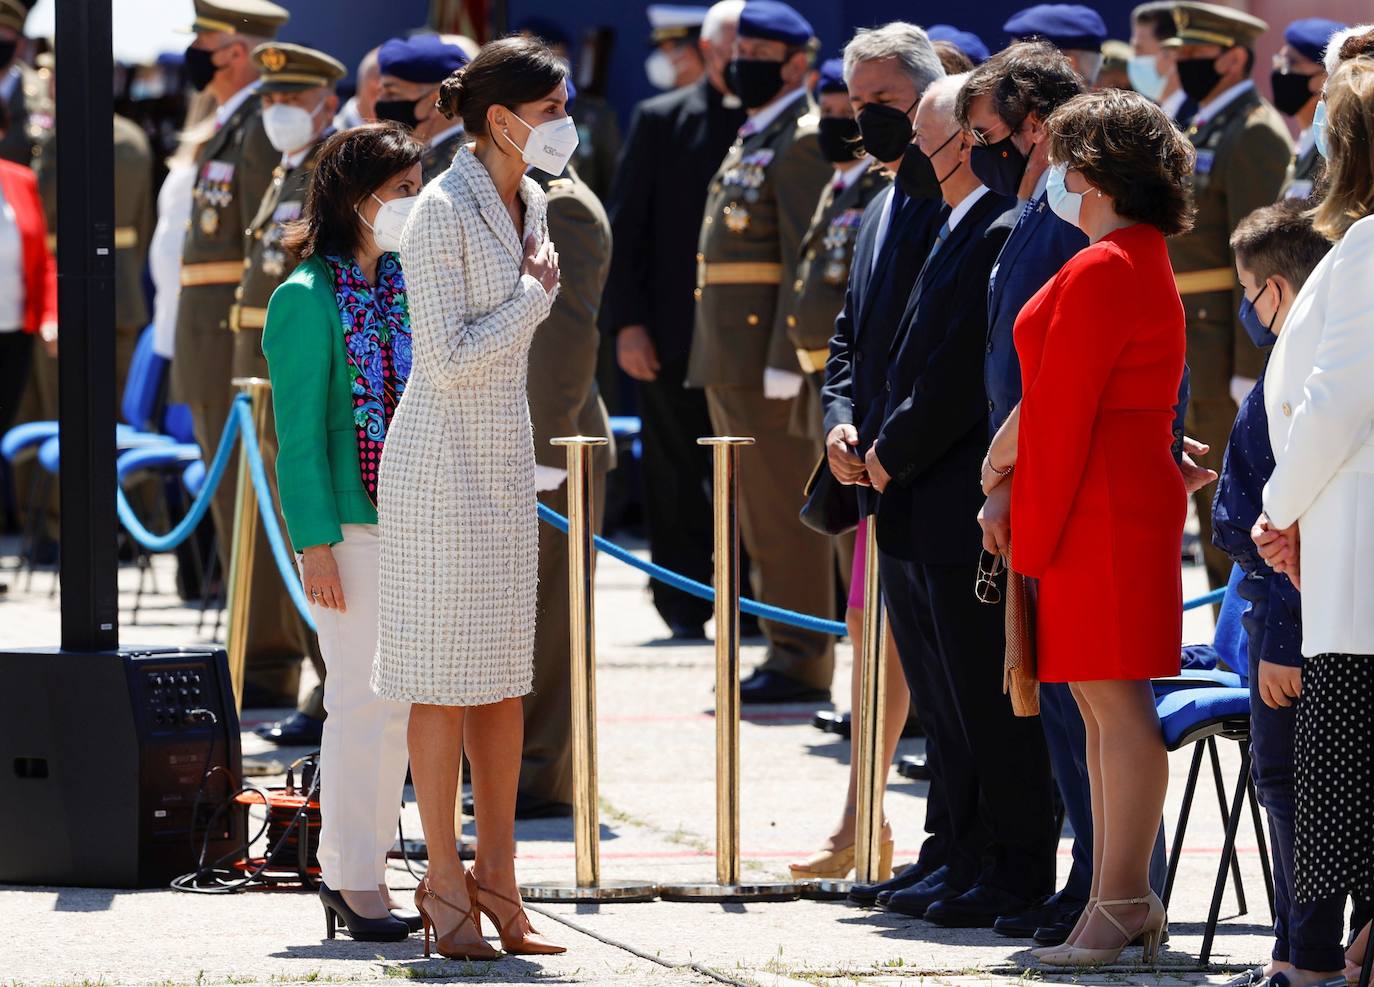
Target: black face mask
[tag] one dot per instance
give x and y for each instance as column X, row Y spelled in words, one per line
column 999, row 166
column 840, row 140
column 400, row 111
column 886, row 131
column 755, row 82
column 1290, row 91
column 916, row 174
column 7, row 50
column 200, row 67
column 1198, row 77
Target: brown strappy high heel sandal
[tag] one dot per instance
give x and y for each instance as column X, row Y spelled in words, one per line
column 444, row 942
column 530, row 944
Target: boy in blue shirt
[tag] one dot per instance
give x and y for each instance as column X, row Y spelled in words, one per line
column 1276, row 249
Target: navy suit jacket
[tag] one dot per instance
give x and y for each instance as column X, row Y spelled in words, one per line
column 934, row 429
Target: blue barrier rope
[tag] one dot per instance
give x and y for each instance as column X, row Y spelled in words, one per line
column 267, row 513
column 184, row 527
column 1216, row 596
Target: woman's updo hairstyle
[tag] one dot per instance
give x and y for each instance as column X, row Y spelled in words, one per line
column 506, row 72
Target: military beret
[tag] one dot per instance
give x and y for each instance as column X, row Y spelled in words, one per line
column 422, row 58
column 1064, row 25
column 13, row 13
column 1209, row 24
column 1116, row 55
column 256, row 17
column 772, row 20
column 288, row 68
column 831, row 77
column 671, row 22
column 966, row 41
column 1310, row 35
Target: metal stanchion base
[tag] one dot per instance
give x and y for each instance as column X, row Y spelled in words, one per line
column 827, row 889
column 730, row 892
column 555, row 891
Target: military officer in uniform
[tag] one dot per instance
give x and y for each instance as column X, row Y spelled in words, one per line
column 757, row 210
column 1297, row 81
column 1152, row 68
column 1243, row 152
column 24, row 91
column 412, row 69
column 828, row 245
column 233, row 170
column 299, row 105
column 564, row 400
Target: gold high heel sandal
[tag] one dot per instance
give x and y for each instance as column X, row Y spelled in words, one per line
column 444, row 942
column 1151, row 932
column 836, row 864
column 531, row 943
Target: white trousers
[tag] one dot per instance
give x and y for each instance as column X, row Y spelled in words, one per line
column 363, row 753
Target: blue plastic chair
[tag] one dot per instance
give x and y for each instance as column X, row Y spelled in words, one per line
column 625, row 432
column 1198, row 715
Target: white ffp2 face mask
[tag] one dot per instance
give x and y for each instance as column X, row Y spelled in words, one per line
column 289, row 128
column 549, row 146
column 390, row 221
column 1065, row 204
column 660, row 69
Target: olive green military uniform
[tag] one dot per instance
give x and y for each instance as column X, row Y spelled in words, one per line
column 1243, row 150
column 26, row 94
column 274, row 621
column 437, row 157
column 758, row 208
column 819, row 287
column 233, row 171
column 1305, row 173
column 564, row 400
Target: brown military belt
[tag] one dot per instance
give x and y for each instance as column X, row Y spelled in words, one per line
column 813, row 361
column 211, row 272
column 243, row 317
column 759, row 272
column 124, row 238
column 1212, row 279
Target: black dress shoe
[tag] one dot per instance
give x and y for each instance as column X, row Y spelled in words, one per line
column 1046, row 912
column 685, row 631
column 1056, row 928
column 529, row 807
column 774, row 687
column 914, row 766
column 297, row 730
column 870, row 894
column 919, row 900
column 977, row 908
column 360, row 928
column 409, row 916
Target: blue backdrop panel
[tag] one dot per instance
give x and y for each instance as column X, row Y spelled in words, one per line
column 349, row 30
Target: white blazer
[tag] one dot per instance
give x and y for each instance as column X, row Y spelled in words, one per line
column 1319, row 395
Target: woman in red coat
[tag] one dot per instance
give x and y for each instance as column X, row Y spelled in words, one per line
column 1097, row 501
column 28, row 279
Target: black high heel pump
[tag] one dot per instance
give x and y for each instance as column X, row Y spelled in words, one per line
column 360, row 928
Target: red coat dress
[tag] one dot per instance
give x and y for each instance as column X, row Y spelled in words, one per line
column 1098, row 503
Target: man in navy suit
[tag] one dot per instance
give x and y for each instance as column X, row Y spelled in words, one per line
column 924, row 463
column 886, row 70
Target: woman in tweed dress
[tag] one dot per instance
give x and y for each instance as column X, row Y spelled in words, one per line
column 456, row 497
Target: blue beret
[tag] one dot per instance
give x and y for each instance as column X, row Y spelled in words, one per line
column 1064, row 25
column 772, row 20
column 831, row 78
column 966, row 41
column 423, row 58
column 1310, row 35
column 542, row 27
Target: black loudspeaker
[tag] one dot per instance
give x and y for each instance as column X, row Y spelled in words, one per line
column 102, row 760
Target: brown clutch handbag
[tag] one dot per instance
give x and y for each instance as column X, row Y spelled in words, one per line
column 1019, row 679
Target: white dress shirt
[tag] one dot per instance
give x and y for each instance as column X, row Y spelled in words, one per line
column 164, row 253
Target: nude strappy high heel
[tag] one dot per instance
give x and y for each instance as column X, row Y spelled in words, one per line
column 444, row 941
column 529, row 944
column 1150, row 932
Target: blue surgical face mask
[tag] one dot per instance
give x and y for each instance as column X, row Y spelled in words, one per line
column 1260, row 334
column 1145, row 77
column 1063, row 203
column 1319, row 127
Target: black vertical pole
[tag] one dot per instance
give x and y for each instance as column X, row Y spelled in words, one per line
column 85, row 308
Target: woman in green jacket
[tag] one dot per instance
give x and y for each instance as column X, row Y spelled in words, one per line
column 337, row 341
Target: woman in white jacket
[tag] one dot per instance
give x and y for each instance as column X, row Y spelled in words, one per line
column 1318, row 524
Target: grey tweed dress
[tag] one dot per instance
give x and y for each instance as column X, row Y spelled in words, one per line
column 456, row 497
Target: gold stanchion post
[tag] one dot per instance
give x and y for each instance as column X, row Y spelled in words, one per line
column 588, row 886
column 867, row 726
column 245, row 538
column 728, row 886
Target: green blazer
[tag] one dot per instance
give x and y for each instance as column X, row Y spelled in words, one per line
column 318, row 476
